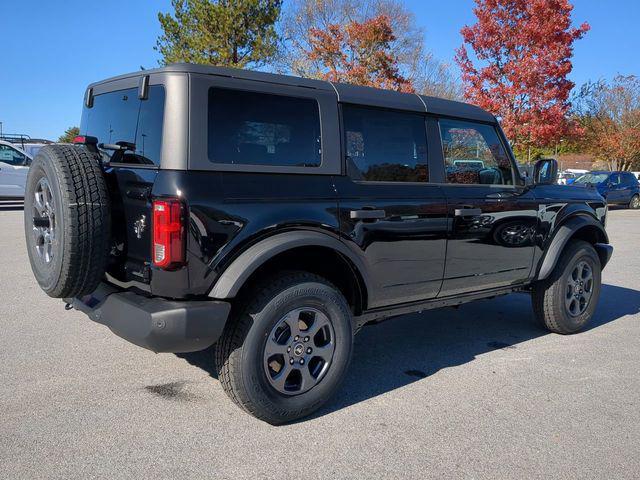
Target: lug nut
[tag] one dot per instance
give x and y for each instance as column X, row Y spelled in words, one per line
column 297, row 337
column 302, row 361
column 306, row 339
column 288, row 349
column 309, row 350
column 291, row 361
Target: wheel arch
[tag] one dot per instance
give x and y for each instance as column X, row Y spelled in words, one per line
column 577, row 227
column 310, row 251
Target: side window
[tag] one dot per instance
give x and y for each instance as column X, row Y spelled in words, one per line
column 473, row 154
column 629, row 178
column 121, row 116
column 385, row 146
column 250, row 128
column 12, row 156
column 615, row 179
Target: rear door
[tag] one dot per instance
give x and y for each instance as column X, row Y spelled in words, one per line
column 13, row 172
column 493, row 219
column 629, row 186
column 389, row 213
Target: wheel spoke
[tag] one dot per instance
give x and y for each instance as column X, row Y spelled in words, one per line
column 320, row 321
column 325, row 353
column 308, row 380
column 280, row 380
column 274, row 348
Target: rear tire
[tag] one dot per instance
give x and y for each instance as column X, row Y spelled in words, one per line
column 67, row 220
column 634, row 204
column 285, row 353
column 566, row 301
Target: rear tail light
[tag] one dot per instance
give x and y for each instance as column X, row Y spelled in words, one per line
column 168, row 234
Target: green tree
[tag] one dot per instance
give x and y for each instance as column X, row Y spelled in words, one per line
column 69, row 134
column 232, row 33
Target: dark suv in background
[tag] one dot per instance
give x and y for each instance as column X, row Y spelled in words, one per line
column 618, row 188
column 275, row 216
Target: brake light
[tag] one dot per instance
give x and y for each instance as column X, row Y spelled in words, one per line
column 168, row 234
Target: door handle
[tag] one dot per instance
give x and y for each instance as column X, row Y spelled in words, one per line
column 367, row 214
column 467, row 212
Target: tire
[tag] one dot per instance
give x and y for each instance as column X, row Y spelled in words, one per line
column 559, row 301
column 249, row 374
column 634, row 203
column 67, row 220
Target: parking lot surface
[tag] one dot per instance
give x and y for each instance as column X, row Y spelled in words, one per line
column 476, row 392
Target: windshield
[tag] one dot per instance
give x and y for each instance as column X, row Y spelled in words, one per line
column 592, row 178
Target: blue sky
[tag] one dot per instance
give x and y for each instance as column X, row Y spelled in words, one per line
column 52, row 50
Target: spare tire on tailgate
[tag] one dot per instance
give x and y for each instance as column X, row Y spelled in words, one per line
column 67, row 220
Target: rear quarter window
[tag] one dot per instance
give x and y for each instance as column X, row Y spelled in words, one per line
column 120, row 116
column 252, row 128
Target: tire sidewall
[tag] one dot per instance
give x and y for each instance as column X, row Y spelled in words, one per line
column 569, row 322
column 307, row 294
column 632, row 205
column 47, row 275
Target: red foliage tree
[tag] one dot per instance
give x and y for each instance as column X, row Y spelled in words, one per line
column 523, row 52
column 359, row 53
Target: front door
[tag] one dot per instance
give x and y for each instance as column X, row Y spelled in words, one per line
column 493, row 220
column 616, row 192
column 389, row 213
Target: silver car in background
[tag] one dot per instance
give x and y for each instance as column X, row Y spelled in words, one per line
column 14, row 166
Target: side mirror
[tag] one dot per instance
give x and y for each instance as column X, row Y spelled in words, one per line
column 545, row 172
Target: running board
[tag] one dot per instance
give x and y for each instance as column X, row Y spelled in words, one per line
column 378, row 314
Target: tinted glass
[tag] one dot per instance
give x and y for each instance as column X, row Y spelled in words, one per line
column 122, row 117
column 474, row 154
column 11, row 156
column 384, row 145
column 249, row 128
column 614, row 179
column 630, row 178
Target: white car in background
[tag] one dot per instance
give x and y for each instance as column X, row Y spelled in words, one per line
column 14, row 166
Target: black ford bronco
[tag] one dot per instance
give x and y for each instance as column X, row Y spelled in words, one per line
column 274, row 216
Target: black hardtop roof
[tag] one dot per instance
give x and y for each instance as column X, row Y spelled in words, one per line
column 346, row 93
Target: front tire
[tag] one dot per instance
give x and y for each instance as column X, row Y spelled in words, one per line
column 566, row 301
column 286, row 352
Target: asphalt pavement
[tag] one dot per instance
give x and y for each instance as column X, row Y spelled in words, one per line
column 476, row 392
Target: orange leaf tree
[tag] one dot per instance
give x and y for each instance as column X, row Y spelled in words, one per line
column 523, row 52
column 359, row 53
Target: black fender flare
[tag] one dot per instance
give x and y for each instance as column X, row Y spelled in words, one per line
column 240, row 269
column 564, row 233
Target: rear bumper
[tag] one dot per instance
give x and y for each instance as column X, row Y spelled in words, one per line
column 155, row 323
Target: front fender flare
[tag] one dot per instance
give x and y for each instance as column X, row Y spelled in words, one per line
column 237, row 273
column 565, row 232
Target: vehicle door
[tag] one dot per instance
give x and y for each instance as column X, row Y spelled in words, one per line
column 628, row 186
column 389, row 213
column 493, row 216
column 616, row 189
column 14, row 166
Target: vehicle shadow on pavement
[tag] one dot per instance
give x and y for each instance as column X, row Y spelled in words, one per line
column 410, row 348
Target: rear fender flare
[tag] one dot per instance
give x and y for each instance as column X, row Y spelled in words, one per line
column 565, row 232
column 239, row 271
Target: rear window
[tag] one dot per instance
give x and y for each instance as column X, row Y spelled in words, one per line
column 250, row 128
column 121, row 116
